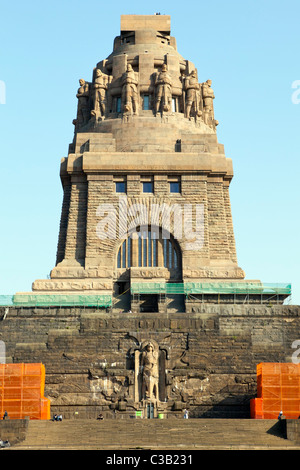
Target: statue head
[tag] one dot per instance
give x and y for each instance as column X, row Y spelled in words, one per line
column 209, row 82
column 149, row 347
column 164, row 67
column 129, row 68
column 98, row 73
column 81, row 82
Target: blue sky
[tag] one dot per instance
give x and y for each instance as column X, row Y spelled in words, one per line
column 249, row 49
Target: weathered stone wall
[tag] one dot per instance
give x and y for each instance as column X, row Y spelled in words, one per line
column 76, row 231
column 292, row 430
column 210, row 356
column 13, row 430
column 82, row 239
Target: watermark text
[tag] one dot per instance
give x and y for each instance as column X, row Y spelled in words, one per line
column 296, row 354
column 2, row 92
column 185, row 222
column 296, row 93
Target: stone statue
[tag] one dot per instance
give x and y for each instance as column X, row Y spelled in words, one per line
column 99, row 94
column 163, row 90
column 83, row 114
column 192, row 89
column 149, row 365
column 208, row 106
column 129, row 91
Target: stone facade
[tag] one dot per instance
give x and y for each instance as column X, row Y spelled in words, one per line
column 145, row 204
column 207, row 360
column 145, row 154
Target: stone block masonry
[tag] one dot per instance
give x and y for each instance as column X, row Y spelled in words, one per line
column 145, row 155
column 143, row 119
column 210, row 356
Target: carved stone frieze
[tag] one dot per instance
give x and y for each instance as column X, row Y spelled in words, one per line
column 149, row 273
column 75, row 273
column 78, row 285
column 214, row 273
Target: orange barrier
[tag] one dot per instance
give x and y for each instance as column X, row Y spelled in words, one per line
column 278, row 389
column 22, row 391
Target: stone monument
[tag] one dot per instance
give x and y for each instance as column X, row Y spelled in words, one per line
column 146, row 183
column 147, row 309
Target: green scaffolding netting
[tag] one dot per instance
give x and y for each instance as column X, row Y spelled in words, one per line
column 42, row 300
column 211, row 288
column 189, row 288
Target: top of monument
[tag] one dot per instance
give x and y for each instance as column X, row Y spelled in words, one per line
column 146, row 79
column 156, row 22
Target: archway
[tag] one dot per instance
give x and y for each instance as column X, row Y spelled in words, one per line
column 148, row 248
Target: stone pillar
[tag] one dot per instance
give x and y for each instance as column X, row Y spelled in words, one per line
column 135, row 250
column 76, row 231
column 230, row 232
column 100, row 192
column 217, row 223
column 63, row 223
column 160, row 252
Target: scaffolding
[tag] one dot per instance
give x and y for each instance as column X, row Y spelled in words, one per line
column 199, row 292
column 278, row 389
column 264, row 292
column 55, row 300
column 22, row 391
column 209, row 288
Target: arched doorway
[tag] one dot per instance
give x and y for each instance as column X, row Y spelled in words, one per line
column 148, row 248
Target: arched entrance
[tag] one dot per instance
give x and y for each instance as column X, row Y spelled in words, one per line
column 150, row 253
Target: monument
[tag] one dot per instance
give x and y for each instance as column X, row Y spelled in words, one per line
column 147, row 309
column 146, row 220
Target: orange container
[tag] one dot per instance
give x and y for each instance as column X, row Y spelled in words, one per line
column 22, row 391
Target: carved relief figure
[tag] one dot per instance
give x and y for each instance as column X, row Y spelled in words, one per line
column 149, row 365
column 163, row 90
column 192, row 89
column 99, row 94
column 208, row 97
column 129, row 91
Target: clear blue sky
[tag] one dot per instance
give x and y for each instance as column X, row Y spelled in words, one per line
column 250, row 50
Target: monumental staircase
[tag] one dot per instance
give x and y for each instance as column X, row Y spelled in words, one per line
column 155, row 434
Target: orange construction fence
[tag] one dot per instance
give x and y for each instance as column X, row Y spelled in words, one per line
column 278, row 389
column 22, row 391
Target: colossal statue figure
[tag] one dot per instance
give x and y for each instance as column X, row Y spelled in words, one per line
column 192, row 89
column 99, row 93
column 163, row 91
column 129, row 91
column 208, row 106
column 149, row 365
column 83, row 114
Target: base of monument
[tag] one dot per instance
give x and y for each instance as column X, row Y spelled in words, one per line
column 207, row 359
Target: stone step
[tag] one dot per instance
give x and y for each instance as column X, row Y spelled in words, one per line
column 155, row 434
